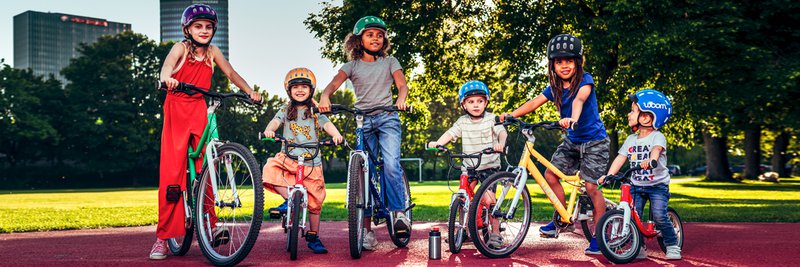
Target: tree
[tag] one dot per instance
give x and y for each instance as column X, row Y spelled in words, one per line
column 112, row 119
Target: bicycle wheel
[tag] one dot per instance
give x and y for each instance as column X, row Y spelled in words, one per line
column 586, row 216
column 227, row 227
column 455, row 225
column 618, row 247
column 677, row 224
column 399, row 241
column 512, row 228
column 178, row 246
column 294, row 232
column 355, row 205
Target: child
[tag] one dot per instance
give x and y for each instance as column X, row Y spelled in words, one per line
column 372, row 73
column 586, row 147
column 478, row 131
column 301, row 128
column 650, row 110
column 189, row 61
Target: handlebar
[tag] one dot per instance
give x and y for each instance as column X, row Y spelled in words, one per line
column 509, row 120
column 625, row 175
column 313, row 145
column 191, row 89
column 337, row 109
column 475, row 155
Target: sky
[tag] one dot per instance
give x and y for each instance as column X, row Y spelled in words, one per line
column 267, row 38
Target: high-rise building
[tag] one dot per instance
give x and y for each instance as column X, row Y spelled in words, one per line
column 45, row 42
column 172, row 10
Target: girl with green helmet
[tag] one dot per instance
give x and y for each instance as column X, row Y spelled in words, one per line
column 372, row 73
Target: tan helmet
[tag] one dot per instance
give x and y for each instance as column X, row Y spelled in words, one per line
column 300, row 76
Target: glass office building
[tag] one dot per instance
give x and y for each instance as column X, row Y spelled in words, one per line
column 171, row 11
column 45, row 42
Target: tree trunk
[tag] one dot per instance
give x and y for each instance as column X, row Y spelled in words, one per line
column 717, row 166
column 779, row 154
column 752, row 152
column 613, row 147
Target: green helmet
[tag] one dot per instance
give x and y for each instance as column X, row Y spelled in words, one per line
column 368, row 22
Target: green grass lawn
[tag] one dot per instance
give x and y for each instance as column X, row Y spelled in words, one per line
column 696, row 201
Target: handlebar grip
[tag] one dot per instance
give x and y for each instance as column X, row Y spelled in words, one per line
column 653, row 163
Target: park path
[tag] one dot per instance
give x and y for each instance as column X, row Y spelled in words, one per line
column 706, row 244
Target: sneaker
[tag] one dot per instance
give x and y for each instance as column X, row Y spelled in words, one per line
column 549, row 231
column 370, row 243
column 314, row 243
column 401, row 225
column 673, row 253
column 495, row 241
column 642, row 253
column 592, row 249
column 221, row 236
column 159, row 251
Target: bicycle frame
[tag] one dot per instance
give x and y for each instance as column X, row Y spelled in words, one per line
column 525, row 166
column 210, row 141
column 627, row 206
column 298, row 186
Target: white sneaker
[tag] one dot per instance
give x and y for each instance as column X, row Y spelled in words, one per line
column 673, row 253
column 495, row 241
column 370, row 243
column 642, row 253
column 401, row 224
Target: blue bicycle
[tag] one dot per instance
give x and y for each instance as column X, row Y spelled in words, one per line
column 363, row 187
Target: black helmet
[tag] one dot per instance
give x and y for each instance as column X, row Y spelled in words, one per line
column 564, row 45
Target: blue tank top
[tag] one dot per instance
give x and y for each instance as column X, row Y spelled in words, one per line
column 589, row 126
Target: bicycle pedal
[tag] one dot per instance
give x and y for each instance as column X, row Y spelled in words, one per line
column 275, row 213
column 402, row 234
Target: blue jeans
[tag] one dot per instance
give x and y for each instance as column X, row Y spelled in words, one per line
column 384, row 128
column 659, row 198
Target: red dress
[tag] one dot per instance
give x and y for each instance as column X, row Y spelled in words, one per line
column 185, row 117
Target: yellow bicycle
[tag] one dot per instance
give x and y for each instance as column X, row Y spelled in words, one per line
column 512, row 211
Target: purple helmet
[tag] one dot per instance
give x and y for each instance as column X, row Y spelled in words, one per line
column 197, row 12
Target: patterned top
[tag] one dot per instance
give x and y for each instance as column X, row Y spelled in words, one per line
column 302, row 131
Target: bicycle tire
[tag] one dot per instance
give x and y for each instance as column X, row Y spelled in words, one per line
column 355, row 206
column 181, row 247
column 677, row 224
column 402, row 242
column 588, row 226
column 456, row 233
column 294, row 232
column 244, row 166
column 612, row 246
column 480, row 240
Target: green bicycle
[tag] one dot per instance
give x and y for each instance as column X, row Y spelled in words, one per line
column 225, row 206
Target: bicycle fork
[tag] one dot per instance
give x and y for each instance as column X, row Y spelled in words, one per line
column 298, row 186
column 519, row 183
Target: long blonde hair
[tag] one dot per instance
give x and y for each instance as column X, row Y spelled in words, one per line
column 192, row 49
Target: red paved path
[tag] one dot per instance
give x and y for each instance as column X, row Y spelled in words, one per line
column 706, row 244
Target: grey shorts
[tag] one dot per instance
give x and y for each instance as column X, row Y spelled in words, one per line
column 591, row 158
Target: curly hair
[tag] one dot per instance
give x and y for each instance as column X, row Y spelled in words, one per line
column 207, row 57
column 353, row 48
column 557, row 84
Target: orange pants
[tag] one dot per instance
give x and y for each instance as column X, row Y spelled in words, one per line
column 280, row 171
column 184, row 121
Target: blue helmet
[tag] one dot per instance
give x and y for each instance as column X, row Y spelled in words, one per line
column 473, row 88
column 656, row 103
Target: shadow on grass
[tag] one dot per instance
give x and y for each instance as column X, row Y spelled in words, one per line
column 792, row 185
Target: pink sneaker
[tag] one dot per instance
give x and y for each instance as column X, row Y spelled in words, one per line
column 159, row 251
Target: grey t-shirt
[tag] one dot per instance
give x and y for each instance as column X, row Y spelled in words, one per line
column 638, row 150
column 302, row 131
column 372, row 81
column 476, row 136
